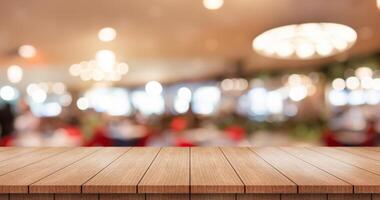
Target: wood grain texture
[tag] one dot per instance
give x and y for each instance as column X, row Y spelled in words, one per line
column 8, row 153
column 364, row 152
column 167, row 196
column 169, row 172
column 303, row 197
column 258, row 197
column 12, row 183
column 349, row 196
column 212, row 173
column 123, row 175
column 263, row 179
column 71, row 178
column 350, row 158
column 31, row 197
column 362, row 180
column 309, row 178
column 76, row 197
column 29, row 158
column 375, row 196
column 121, row 197
column 213, row 196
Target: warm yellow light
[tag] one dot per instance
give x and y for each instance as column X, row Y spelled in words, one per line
column 27, row 51
column 378, row 4
column 14, row 73
column 213, row 4
column 107, row 34
column 305, row 41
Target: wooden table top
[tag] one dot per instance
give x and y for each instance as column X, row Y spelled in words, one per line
column 195, row 170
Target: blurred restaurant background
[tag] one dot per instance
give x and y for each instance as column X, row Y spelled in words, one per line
column 189, row 73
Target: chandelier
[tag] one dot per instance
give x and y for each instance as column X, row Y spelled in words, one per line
column 103, row 68
column 305, row 41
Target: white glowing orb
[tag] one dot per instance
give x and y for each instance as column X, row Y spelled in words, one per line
column 338, row 97
column 83, row 103
column 297, row 93
column 14, row 73
column 105, row 59
column 153, row 88
column 184, row 93
column 305, row 41
column 352, row 83
column 39, row 96
column 213, row 4
column 8, row 93
column 181, row 106
column 338, row 84
column 363, row 72
column 206, row 100
column 27, row 51
column 107, row 34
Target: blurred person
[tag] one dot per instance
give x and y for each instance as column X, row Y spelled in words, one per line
column 6, row 124
column 27, row 128
column 125, row 132
column 68, row 135
column 350, row 127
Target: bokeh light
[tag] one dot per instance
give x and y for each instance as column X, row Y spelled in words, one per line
column 107, row 34
column 14, row 73
column 213, row 4
column 27, row 51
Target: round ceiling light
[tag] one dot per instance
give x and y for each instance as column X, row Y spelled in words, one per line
column 213, row 4
column 107, row 34
column 305, row 41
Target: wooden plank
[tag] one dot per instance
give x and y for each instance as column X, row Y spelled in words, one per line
column 258, row 197
column 213, row 197
column 303, row 197
column 31, row 197
column 309, row 178
column 121, row 197
column 362, row 180
column 76, row 197
column 18, row 181
column 349, row 196
column 167, row 196
column 349, row 158
column 71, row 178
column 169, row 172
column 376, row 197
column 29, row 158
column 257, row 175
column 364, row 152
column 8, row 153
column 212, row 173
column 4, row 196
column 123, row 175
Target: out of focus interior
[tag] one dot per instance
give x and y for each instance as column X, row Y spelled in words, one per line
column 190, row 73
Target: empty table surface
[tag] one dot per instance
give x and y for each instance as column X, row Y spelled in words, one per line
column 194, row 170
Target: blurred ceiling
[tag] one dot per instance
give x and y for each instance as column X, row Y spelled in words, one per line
column 169, row 40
